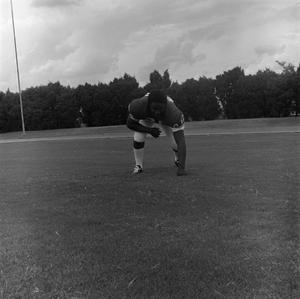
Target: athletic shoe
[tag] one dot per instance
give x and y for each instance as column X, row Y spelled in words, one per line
column 137, row 169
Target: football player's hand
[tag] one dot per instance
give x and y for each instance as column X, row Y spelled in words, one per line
column 181, row 171
column 155, row 132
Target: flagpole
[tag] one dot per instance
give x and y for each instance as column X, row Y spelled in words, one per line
column 17, row 64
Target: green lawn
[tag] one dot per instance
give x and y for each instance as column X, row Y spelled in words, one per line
column 74, row 223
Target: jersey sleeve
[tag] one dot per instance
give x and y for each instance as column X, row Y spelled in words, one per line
column 137, row 109
column 131, row 113
column 175, row 117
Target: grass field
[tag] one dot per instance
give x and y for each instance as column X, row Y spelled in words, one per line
column 74, row 223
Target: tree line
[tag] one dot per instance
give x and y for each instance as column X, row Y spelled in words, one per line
column 231, row 95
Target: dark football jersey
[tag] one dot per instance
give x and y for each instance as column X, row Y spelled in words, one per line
column 138, row 110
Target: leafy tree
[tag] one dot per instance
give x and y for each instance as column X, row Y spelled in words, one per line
column 123, row 91
column 66, row 109
column 196, row 99
column 10, row 118
column 225, row 87
column 85, row 99
column 265, row 94
column 49, row 107
column 289, row 98
column 296, row 87
column 3, row 116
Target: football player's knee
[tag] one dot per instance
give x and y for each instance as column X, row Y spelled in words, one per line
column 138, row 145
column 139, row 137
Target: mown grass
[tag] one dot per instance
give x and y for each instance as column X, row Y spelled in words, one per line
column 76, row 224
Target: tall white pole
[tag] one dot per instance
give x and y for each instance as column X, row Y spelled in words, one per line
column 17, row 64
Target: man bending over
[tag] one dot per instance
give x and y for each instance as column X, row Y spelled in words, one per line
column 151, row 114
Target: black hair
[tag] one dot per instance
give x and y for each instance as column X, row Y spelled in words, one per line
column 157, row 96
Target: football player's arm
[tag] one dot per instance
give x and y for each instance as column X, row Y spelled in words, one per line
column 181, row 147
column 134, row 125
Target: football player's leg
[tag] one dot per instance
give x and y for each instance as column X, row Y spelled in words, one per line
column 169, row 133
column 138, row 148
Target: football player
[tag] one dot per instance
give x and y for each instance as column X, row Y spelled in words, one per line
column 151, row 114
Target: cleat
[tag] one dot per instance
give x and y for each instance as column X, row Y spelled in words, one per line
column 137, row 169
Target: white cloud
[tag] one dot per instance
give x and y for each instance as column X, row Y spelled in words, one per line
column 75, row 41
column 54, row 3
column 269, row 50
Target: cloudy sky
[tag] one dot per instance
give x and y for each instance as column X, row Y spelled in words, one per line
column 78, row 41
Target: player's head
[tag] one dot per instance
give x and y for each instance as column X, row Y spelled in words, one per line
column 157, row 103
